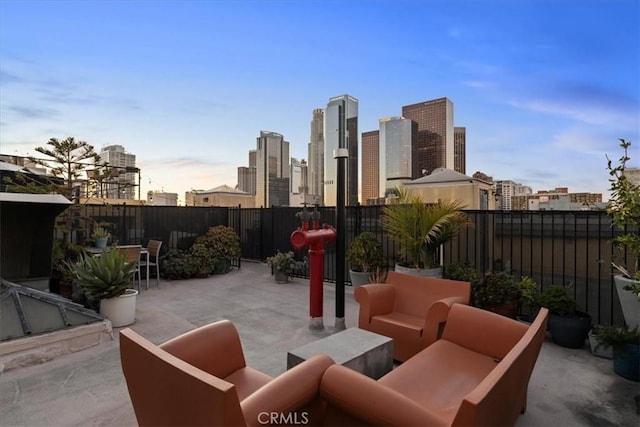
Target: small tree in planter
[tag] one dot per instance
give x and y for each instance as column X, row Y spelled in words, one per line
column 567, row 325
column 107, row 280
column 624, row 210
column 365, row 256
column 626, row 349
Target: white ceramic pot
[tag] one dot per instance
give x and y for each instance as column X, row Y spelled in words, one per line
column 422, row 272
column 628, row 301
column 359, row 278
column 121, row 310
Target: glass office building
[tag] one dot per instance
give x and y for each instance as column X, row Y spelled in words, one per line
column 341, row 131
column 398, row 145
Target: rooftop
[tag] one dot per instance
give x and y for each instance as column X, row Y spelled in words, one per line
column 568, row 387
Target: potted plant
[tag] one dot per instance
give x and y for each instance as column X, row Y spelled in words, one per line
column 283, row 264
column 626, row 349
column 502, row 293
column 107, row 279
column 203, row 259
column 597, row 350
column 420, row 229
column 224, row 245
column 462, row 271
column 365, row 256
column 567, row 325
column 624, row 209
column 100, row 236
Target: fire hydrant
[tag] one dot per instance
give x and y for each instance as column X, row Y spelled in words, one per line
column 315, row 238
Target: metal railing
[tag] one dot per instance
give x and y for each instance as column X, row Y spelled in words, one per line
column 571, row 248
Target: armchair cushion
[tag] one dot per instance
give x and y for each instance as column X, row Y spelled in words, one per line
column 410, row 309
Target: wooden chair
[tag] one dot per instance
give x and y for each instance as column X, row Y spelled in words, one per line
column 152, row 260
column 132, row 255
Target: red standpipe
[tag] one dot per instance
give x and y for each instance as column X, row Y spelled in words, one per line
column 315, row 239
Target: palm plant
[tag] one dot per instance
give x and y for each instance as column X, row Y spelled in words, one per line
column 106, row 276
column 420, row 229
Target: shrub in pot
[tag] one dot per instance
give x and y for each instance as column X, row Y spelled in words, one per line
column 365, row 257
column 624, row 209
column 176, row 264
column 567, row 325
column 626, row 349
column 502, row 293
column 223, row 244
column 107, row 279
column 283, row 265
column 420, row 229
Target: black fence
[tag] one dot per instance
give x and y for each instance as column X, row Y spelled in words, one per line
column 571, row 248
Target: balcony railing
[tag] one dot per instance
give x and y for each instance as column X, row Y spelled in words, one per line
column 571, row 248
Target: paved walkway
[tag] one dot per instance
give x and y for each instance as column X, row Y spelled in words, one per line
column 568, row 387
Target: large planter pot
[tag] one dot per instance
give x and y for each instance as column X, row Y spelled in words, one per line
column 626, row 361
column 508, row 309
column 121, row 310
column 422, row 272
column 628, row 301
column 569, row 331
column 359, row 278
column 281, row 276
column 222, row 266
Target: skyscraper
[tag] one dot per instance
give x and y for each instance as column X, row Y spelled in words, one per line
column 316, row 157
column 247, row 175
column 122, row 166
column 370, row 166
column 435, row 133
column 341, row 131
column 398, row 153
column 460, row 149
column 272, row 170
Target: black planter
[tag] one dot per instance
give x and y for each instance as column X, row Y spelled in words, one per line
column 626, row 361
column 569, row 331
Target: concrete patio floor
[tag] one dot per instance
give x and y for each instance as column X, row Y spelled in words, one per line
column 87, row 388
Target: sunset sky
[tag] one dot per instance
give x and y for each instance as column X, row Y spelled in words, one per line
column 544, row 88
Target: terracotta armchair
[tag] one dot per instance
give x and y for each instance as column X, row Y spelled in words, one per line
column 410, row 309
column 476, row 375
column 201, row 378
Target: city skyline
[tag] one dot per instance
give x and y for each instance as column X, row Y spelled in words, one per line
column 544, row 89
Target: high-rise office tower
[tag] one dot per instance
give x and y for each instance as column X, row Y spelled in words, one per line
column 121, row 169
column 272, row 170
column 460, row 149
column 247, row 175
column 341, row 131
column 435, row 133
column 398, row 153
column 316, row 157
column 370, row 167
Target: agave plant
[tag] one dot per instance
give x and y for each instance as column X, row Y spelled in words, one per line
column 106, row 276
column 420, row 228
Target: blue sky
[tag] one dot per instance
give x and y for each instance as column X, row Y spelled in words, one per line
column 544, row 88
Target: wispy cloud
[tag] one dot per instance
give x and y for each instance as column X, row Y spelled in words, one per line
column 30, row 112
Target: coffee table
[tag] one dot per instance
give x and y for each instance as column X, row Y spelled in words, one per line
column 366, row 352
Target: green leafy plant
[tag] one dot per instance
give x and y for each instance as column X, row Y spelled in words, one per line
column 284, row 262
column 100, row 232
column 203, row 258
column 222, row 241
column 365, row 253
column 106, row 276
column 616, row 337
column 176, row 265
column 462, row 271
column 557, row 299
column 624, row 209
column 420, row 228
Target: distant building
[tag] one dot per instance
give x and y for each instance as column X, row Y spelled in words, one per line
column 558, row 199
column 460, row 149
column 398, row 163
column 506, row 190
column 300, row 184
column 122, row 171
column 446, row 184
column 633, row 174
column 219, row 196
column 247, row 175
column 272, row 170
column 341, row 131
column 370, row 172
column 435, row 133
column 160, row 198
column 316, row 158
